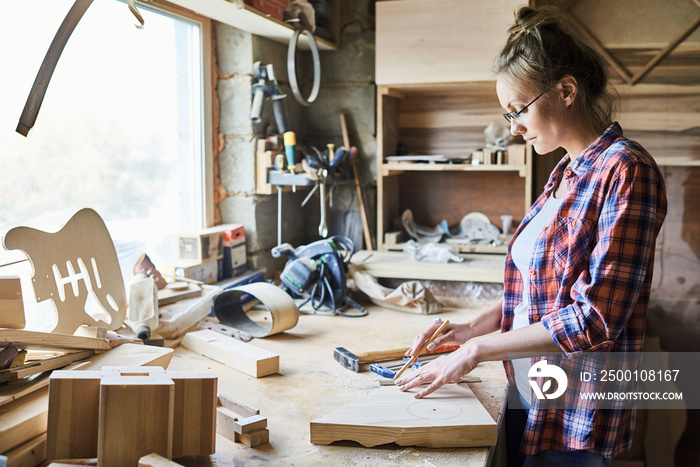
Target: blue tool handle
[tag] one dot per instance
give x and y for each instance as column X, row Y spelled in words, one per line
column 382, row 370
column 290, row 143
column 338, row 158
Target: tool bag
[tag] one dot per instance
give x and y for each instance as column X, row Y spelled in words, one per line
column 316, row 274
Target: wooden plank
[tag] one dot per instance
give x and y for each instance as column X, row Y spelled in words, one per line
column 233, row 353
column 36, row 367
column 135, row 419
column 11, row 304
column 450, row 417
column 29, row 454
column 399, row 265
column 132, row 355
column 23, row 420
column 411, row 47
column 237, row 406
column 49, row 340
column 16, row 389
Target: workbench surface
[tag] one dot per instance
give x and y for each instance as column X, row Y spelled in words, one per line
column 311, row 384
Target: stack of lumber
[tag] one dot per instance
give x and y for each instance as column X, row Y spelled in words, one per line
column 24, row 388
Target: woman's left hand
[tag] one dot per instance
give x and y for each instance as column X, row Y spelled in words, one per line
column 446, row 369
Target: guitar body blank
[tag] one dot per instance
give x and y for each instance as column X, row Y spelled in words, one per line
column 77, row 269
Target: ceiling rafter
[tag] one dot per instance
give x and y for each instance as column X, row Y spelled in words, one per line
column 566, row 5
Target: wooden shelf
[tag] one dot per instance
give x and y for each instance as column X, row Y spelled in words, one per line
column 397, row 167
column 446, row 119
column 239, row 15
column 476, row 267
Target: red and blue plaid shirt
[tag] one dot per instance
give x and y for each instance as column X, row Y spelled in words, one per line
column 589, row 281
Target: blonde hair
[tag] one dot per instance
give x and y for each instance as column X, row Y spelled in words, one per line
column 540, row 51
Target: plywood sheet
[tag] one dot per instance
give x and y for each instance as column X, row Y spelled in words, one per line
column 440, row 41
column 450, row 417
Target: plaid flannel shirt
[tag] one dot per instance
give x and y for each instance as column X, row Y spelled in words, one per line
column 590, row 277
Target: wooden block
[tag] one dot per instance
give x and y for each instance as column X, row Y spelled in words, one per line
column 240, row 423
column 98, row 332
column 74, row 410
column 11, row 304
column 516, row 154
column 394, row 238
column 451, row 417
column 240, row 356
column 263, row 160
column 73, row 415
column 169, row 295
column 224, row 423
column 29, row 454
column 136, row 419
column 23, row 419
column 194, row 427
column 249, row 424
column 154, row 460
column 255, row 438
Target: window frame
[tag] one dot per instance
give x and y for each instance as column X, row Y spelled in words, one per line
column 207, row 78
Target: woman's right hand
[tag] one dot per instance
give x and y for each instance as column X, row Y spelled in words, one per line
column 452, row 334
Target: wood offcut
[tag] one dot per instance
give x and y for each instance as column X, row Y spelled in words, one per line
column 451, row 417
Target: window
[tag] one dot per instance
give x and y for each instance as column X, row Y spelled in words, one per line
column 122, row 128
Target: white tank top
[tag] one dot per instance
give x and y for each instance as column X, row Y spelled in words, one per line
column 521, row 252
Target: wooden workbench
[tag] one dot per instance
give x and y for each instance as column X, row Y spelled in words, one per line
column 311, row 384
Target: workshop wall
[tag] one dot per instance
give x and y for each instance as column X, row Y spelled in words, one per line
column 347, row 85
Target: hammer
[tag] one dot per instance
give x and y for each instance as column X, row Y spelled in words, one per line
column 352, row 361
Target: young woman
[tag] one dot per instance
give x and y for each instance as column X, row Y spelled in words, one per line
column 579, row 266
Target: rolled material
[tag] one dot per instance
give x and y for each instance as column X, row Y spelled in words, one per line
column 284, row 313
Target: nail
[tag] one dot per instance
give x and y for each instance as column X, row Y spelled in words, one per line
column 431, row 346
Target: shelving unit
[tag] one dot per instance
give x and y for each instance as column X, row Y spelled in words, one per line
column 239, row 15
column 447, row 119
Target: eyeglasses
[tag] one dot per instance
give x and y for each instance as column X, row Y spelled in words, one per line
column 510, row 116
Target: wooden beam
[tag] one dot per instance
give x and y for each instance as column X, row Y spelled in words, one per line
column 235, row 354
column 665, row 51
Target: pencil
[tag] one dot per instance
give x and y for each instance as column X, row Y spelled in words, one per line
column 413, row 359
